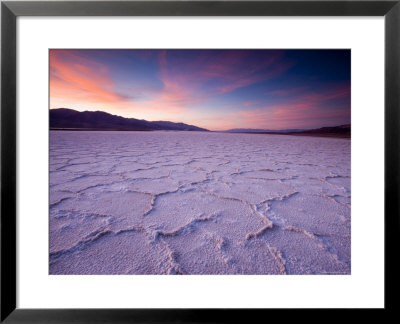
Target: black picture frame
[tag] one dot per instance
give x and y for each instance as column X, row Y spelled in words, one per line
column 10, row 10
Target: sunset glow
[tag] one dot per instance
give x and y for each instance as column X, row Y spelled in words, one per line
column 213, row 89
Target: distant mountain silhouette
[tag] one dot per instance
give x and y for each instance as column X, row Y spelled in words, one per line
column 334, row 131
column 342, row 131
column 256, row 130
column 64, row 118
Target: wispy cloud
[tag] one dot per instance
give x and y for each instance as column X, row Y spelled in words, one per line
column 80, row 79
column 196, row 81
column 301, row 111
column 216, row 89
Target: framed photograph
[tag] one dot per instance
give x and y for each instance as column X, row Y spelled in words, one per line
column 175, row 160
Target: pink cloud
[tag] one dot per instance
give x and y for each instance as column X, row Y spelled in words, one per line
column 285, row 116
column 185, row 85
column 336, row 92
column 304, row 111
column 77, row 81
column 76, row 78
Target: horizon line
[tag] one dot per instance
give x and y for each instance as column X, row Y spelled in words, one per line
column 215, row 130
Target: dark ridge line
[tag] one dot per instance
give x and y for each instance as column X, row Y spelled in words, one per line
column 347, row 136
column 70, row 119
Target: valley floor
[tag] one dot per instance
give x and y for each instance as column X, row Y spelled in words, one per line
column 198, row 203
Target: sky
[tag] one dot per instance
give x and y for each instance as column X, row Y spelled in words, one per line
column 214, row 89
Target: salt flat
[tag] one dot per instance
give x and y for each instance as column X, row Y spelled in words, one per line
column 198, row 203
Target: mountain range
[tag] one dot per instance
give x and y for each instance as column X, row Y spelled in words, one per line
column 256, row 130
column 64, row 118
column 331, row 131
column 69, row 119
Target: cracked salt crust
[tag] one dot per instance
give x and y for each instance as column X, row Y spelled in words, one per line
column 198, row 203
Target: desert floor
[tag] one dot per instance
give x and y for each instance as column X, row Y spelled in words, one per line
column 198, row 203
